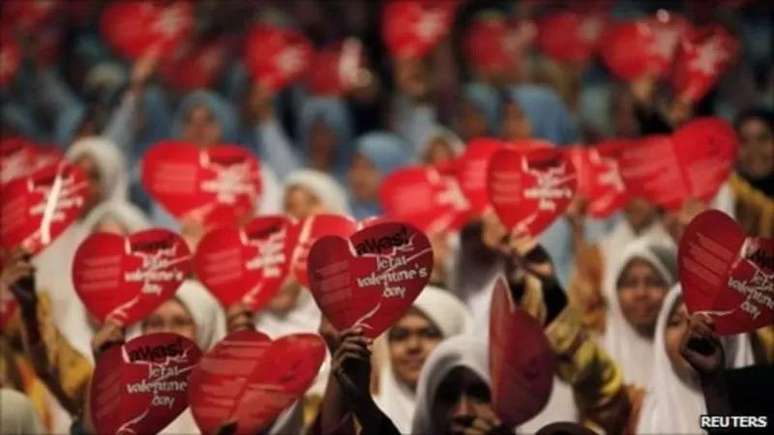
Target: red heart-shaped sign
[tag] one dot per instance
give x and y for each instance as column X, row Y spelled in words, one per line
column 37, row 208
column 570, row 36
column 371, row 279
column 31, row 16
column 141, row 386
column 217, row 185
column 276, row 56
column 308, row 232
column 126, row 278
column 20, row 157
column 198, row 67
column 412, row 28
column 599, row 180
column 247, row 264
column 471, row 168
column 494, row 45
column 134, row 28
column 703, row 55
column 726, row 274
column 337, row 68
column 426, row 198
column 521, row 361
column 249, row 379
column 530, row 187
column 10, row 57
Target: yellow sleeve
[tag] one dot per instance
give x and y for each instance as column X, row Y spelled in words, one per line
column 596, row 380
column 64, row 370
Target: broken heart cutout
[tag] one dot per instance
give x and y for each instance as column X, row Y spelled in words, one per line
column 727, row 275
column 531, row 187
column 246, row 264
column 521, row 361
column 308, row 232
column 249, row 379
column 599, row 180
column 372, row 278
column 125, row 278
column 142, row 386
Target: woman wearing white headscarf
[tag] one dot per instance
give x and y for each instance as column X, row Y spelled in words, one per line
column 108, row 161
column 19, row 416
column 444, row 316
column 308, row 191
column 635, row 290
column 674, row 400
column 439, row 145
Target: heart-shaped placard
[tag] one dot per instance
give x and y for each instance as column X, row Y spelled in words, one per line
column 338, row 68
column 726, row 274
column 530, row 188
column 277, row 56
column 703, row 55
column 247, row 264
column 426, row 198
column 411, row 29
column 20, row 157
column 37, row 208
column 521, row 361
column 126, row 278
column 198, row 67
column 135, row 28
column 494, row 45
column 570, row 36
column 142, row 386
column 371, row 279
column 471, row 168
column 599, row 180
column 217, row 185
column 311, row 229
column 249, row 379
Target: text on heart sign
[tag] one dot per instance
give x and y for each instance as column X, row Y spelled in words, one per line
column 161, row 379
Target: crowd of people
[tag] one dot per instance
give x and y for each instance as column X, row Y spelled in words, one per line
column 630, row 357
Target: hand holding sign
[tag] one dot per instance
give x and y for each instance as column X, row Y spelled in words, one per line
column 142, row 386
column 727, row 275
column 371, row 279
column 126, row 278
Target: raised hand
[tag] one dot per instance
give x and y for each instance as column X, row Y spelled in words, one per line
column 701, row 347
column 352, row 364
column 18, row 277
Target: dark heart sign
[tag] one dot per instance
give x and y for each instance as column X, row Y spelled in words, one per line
column 727, row 275
column 246, row 264
column 371, row 279
column 142, row 386
column 249, row 379
column 530, row 188
column 521, row 361
column 39, row 207
column 125, row 278
column 217, row 185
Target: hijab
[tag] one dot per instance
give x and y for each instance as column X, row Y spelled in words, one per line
column 632, row 351
column 486, row 100
column 387, row 152
column 19, row 415
column 332, row 112
column 439, row 132
column 671, row 405
column 396, row 399
column 110, row 162
column 220, row 109
column 327, row 190
column 549, row 117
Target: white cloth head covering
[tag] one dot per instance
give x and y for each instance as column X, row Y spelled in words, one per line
column 19, row 416
column 458, row 351
column 443, row 133
column 323, row 186
column 671, row 405
column 632, row 351
column 109, row 160
column 451, row 316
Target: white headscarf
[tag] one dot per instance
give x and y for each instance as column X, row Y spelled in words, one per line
column 109, row 160
column 442, row 133
column 632, row 351
column 396, row 399
column 671, row 405
column 19, row 416
column 323, row 186
column 458, row 351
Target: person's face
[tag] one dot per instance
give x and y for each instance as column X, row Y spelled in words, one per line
column 641, row 291
column 364, row 179
column 94, row 178
column 640, row 213
column 439, row 151
column 461, row 397
column 410, row 341
column 201, row 127
column 322, row 146
column 515, row 123
column 172, row 317
column 756, row 154
column 676, row 328
column 301, row 203
column 472, row 122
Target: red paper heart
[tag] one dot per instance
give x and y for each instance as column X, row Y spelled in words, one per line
column 276, row 56
column 10, row 57
column 247, row 264
column 198, row 67
column 412, row 28
column 20, row 157
column 693, row 163
column 521, row 361
column 249, row 379
column 599, row 180
column 134, row 28
column 126, row 278
column 371, row 279
column 570, row 36
column 309, row 231
column 703, row 55
column 141, row 386
column 217, row 185
column 529, row 188
column 337, row 68
column 39, row 207
column 726, row 274
column 471, row 170
column 425, row 198
column 494, row 45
